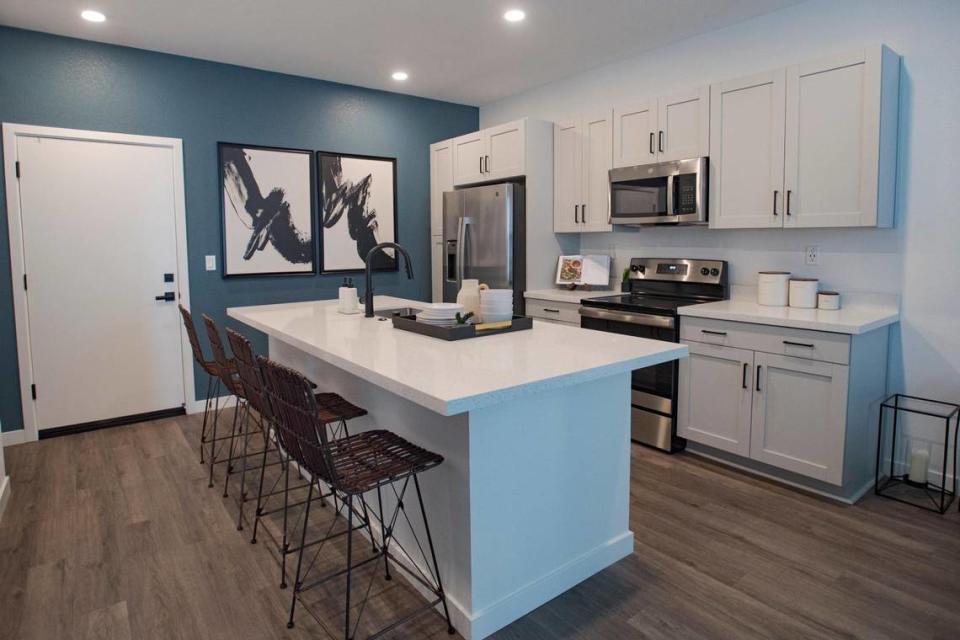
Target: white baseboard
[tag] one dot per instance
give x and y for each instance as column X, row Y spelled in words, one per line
column 5, row 491
column 197, row 405
column 10, row 438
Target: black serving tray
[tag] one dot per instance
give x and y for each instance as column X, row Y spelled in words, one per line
column 459, row 332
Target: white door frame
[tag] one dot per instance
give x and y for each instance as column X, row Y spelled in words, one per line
column 11, row 132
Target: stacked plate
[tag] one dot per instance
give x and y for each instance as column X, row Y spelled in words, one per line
column 441, row 314
column 496, row 304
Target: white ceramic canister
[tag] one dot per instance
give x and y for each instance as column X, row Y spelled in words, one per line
column 803, row 293
column 828, row 300
column 772, row 288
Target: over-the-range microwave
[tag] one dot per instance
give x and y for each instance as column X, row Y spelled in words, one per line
column 662, row 193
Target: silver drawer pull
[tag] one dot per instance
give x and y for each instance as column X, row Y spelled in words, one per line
column 798, row 344
column 551, row 310
column 713, row 333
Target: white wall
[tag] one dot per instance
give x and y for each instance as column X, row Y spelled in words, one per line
column 920, row 259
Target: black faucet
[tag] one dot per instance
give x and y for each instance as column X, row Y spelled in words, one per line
column 368, row 294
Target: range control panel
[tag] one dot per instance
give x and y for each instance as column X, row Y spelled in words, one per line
column 678, row 270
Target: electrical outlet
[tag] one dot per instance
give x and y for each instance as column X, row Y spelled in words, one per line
column 812, row 255
column 211, row 263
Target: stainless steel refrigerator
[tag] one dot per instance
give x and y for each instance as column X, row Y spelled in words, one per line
column 484, row 237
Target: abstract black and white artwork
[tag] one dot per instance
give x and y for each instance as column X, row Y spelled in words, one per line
column 267, row 210
column 358, row 203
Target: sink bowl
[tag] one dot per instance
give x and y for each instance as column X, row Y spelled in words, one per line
column 399, row 311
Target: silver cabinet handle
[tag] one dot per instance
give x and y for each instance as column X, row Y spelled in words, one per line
column 645, row 319
column 461, row 248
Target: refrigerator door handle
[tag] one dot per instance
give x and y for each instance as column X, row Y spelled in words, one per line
column 461, row 247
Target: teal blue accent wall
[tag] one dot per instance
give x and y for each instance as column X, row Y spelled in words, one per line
column 63, row 82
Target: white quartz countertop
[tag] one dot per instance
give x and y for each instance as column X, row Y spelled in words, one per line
column 454, row 377
column 565, row 295
column 854, row 317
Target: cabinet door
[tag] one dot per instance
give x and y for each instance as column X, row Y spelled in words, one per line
column 684, row 125
column 597, row 144
column 468, row 157
column 799, row 416
column 831, row 143
column 441, row 179
column 436, row 267
column 714, row 397
column 506, row 151
column 567, row 157
column 634, row 134
column 746, row 152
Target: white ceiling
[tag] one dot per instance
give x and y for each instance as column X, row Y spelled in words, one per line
column 456, row 50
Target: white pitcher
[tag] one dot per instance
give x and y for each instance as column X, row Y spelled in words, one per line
column 469, row 297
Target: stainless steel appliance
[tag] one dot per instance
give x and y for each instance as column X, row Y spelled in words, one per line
column 484, row 237
column 647, row 308
column 663, row 193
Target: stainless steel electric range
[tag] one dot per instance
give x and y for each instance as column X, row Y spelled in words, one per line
column 647, row 308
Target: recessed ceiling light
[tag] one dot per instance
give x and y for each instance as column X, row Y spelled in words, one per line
column 92, row 16
column 514, row 15
column 400, row 76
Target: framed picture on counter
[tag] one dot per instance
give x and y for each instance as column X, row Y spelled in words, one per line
column 358, row 210
column 266, row 210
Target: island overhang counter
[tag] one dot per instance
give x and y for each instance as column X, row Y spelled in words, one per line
column 534, row 427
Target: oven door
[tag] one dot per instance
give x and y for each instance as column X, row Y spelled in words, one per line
column 665, row 193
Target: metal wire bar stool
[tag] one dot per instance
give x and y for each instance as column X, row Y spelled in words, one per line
column 334, row 411
column 352, row 466
column 211, row 368
column 230, row 381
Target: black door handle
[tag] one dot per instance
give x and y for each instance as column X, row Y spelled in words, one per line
column 660, row 142
column 788, row 202
column 746, row 365
column 651, row 143
column 576, row 213
column 775, row 195
column 169, row 296
column 583, row 213
column 758, row 377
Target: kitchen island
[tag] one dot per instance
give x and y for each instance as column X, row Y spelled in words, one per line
column 533, row 494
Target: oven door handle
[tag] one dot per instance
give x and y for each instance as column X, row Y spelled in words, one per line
column 645, row 319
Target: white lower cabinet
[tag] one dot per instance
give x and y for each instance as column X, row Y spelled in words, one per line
column 715, row 397
column 799, row 400
column 799, row 415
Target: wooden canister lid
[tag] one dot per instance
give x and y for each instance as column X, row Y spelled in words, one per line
column 774, row 273
column 829, row 293
column 804, row 280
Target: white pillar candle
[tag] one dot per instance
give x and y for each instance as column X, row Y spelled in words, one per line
column 919, row 459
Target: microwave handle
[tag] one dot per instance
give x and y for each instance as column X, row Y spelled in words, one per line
column 670, row 203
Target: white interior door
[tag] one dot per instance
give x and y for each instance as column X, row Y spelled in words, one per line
column 99, row 233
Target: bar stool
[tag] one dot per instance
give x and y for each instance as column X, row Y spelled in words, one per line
column 352, row 466
column 333, row 409
column 209, row 367
column 230, row 381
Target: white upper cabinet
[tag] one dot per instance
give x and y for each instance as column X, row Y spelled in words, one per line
column 746, row 145
column 813, row 145
column 837, row 143
column 567, row 155
column 635, row 134
column 672, row 127
column 468, row 156
column 495, row 153
column 441, row 179
column 582, row 160
column 684, row 125
column 595, row 170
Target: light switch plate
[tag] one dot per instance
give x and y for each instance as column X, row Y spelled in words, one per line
column 812, row 255
column 211, row 263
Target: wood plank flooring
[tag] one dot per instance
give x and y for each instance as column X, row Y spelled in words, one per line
column 114, row 534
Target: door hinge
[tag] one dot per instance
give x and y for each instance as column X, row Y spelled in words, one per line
column 17, row 165
column 24, row 282
column 33, row 391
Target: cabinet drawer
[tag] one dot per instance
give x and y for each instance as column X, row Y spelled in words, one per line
column 801, row 343
column 559, row 311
